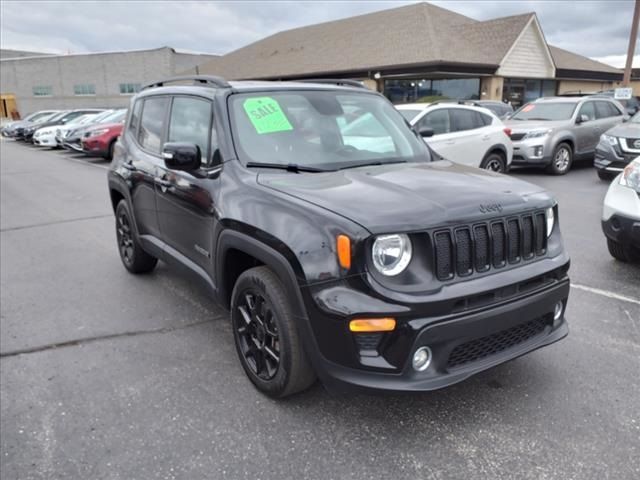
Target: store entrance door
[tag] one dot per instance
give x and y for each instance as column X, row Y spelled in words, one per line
column 513, row 92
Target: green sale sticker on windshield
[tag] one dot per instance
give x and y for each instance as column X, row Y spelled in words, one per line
column 266, row 115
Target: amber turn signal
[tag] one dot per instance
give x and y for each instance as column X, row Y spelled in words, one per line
column 344, row 251
column 372, row 324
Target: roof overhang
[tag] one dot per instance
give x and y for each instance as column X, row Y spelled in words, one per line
column 439, row 67
column 568, row 74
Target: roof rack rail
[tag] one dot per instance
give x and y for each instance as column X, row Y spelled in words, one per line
column 451, row 100
column 196, row 79
column 333, row 81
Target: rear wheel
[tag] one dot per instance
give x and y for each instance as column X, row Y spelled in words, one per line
column 266, row 335
column 561, row 160
column 133, row 257
column 495, row 162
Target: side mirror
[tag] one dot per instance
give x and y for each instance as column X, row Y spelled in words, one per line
column 581, row 119
column 181, row 156
column 425, row 132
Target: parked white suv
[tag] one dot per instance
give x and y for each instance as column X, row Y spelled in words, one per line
column 461, row 133
column 621, row 214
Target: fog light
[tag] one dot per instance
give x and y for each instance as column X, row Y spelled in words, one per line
column 557, row 311
column 537, row 151
column 421, row 359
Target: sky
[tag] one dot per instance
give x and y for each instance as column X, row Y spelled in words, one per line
column 597, row 29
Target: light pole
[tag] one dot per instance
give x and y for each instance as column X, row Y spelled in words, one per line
column 626, row 80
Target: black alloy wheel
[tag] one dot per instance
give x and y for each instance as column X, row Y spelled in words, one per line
column 257, row 332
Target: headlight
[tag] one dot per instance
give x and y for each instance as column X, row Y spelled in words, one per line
column 631, row 176
column 548, row 213
column 95, row 133
column 613, row 141
column 391, row 254
column 537, row 134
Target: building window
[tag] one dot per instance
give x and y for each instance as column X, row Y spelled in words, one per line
column 84, row 89
column 43, row 91
column 518, row 91
column 427, row 90
column 129, row 88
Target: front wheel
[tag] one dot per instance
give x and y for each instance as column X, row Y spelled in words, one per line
column 561, row 160
column 620, row 252
column 267, row 336
column 604, row 175
column 494, row 162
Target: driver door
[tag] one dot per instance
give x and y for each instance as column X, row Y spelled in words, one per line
column 185, row 200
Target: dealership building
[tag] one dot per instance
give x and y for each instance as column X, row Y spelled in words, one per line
column 422, row 52
column 29, row 83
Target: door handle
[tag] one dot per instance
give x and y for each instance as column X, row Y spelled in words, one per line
column 163, row 183
column 450, row 142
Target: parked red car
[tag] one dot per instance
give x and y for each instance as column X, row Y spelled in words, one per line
column 100, row 140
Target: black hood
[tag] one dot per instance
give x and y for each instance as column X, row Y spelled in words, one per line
column 411, row 196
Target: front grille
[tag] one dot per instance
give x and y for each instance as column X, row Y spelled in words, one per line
column 517, row 136
column 630, row 143
column 481, row 247
column 496, row 342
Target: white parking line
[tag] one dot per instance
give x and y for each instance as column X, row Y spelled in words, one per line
column 81, row 161
column 605, row 293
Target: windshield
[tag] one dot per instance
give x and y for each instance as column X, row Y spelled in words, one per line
column 545, row 111
column 100, row 116
column 635, row 118
column 55, row 117
column 113, row 117
column 325, row 130
column 409, row 115
column 37, row 116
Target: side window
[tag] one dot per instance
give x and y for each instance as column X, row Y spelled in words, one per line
column 485, row 119
column 603, row 110
column 190, row 122
column 615, row 111
column 152, row 123
column 464, row 120
column 588, row 110
column 135, row 118
column 438, row 120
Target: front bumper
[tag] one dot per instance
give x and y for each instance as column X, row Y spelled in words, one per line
column 611, row 159
column 95, row 146
column 621, row 214
column 462, row 342
column 623, row 230
column 45, row 140
column 534, row 151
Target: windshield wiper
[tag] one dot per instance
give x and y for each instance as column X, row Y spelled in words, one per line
column 289, row 167
column 539, row 119
column 371, row 164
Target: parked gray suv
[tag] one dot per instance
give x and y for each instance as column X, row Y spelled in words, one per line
column 552, row 132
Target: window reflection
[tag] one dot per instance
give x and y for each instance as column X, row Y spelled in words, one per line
column 428, row 90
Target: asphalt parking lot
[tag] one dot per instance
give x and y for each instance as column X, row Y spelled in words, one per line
column 104, row 375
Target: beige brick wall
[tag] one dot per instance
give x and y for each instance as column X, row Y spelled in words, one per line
column 491, row 88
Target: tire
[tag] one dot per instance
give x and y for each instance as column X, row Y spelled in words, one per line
column 619, row 252
column 494, row 162
column 110, row 151
column 133, row 256
column 604, row 175
column 561, row 159
column 266, row 335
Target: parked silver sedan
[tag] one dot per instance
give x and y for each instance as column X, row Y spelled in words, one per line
column 553, row 132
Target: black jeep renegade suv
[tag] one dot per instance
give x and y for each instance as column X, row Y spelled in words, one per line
column 343, row 250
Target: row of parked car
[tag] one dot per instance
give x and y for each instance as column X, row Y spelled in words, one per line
column 89, row 130
column 549, row 132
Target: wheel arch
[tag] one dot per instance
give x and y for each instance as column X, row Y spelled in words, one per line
column 236, row 252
